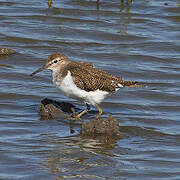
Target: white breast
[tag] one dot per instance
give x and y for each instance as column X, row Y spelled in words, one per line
column 68, row 88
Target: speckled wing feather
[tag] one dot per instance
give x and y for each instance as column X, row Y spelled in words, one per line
column 117, row 79
column 87, row 64
column 89, row 78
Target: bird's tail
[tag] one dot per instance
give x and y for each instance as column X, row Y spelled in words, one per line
column 132, row 84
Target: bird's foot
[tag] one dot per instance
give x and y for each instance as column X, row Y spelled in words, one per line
column 74, row 116
column 71, row 118
column 98, row 117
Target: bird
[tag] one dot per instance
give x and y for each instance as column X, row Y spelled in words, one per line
column 82, row 81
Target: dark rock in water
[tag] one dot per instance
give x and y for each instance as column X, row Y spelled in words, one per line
column 6, row 51
column 102, row 127
column 105, row 129
column 50, row 109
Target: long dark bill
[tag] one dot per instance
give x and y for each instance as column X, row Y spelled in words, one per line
column 37, row 71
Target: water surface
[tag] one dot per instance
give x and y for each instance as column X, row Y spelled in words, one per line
column 139, row 41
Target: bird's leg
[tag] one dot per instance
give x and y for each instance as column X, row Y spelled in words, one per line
column 73, row 112
column 83, row 112
column 100, row 111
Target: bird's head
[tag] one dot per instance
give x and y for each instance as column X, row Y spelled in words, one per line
column 53, row 62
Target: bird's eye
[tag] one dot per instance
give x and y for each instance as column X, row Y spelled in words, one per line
column 55, row 61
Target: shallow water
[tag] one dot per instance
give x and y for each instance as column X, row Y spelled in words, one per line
column 139, row 42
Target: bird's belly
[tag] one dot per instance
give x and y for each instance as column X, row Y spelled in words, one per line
column 68, row 88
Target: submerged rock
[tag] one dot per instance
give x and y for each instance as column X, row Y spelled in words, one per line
column 6, row 51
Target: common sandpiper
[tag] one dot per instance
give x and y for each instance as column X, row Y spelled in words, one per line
column 82, row 81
